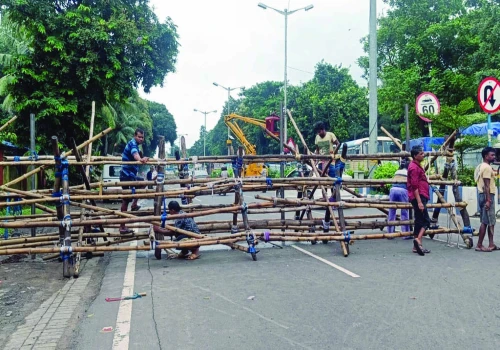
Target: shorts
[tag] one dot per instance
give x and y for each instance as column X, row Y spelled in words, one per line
column 488, row 217
column 124, row 177
column 331, row 170
column 422, row 219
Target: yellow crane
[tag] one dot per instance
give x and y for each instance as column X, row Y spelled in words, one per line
column 252, row 169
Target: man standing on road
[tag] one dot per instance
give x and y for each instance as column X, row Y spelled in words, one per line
column 485, row 180
column 129, row 171
column 418, row 193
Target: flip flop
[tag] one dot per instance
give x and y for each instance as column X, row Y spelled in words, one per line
column 126, row 231
column 483, row 249
column 193, row 256
column 135, row 208
column 418, row 248
column 494, row 248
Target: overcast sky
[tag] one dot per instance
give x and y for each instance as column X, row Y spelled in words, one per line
column 236, row 43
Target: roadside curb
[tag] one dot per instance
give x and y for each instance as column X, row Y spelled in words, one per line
column 44, row 328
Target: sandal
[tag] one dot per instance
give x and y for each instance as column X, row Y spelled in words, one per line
column 494, row 247
column 193, row 257
column 135, row 208
column 418, row 248
column 483, row 249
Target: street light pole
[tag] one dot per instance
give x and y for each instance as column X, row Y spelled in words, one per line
column 228, row 89
column 205, row 132
column 373, row 103
column 285, row 13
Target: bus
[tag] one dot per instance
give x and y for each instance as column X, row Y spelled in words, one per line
column 360, row 146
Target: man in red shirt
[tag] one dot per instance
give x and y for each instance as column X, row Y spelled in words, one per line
column 418, row 193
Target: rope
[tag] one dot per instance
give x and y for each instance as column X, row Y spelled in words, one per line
column 347, row 237
column 269, row 183
column 57, row 194
column 17, row 159
column 164, row 214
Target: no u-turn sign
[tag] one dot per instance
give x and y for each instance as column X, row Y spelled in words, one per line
column 488, row 95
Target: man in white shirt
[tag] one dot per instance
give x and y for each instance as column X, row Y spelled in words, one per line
column 485, row 180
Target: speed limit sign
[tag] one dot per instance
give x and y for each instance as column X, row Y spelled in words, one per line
column 427, row 103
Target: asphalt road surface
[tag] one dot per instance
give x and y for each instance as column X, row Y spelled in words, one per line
column 301, row 296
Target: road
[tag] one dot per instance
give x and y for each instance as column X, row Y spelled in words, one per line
column 300, row 296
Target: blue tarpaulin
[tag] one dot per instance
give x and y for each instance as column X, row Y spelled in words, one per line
column 427, row 142
column 482, row 129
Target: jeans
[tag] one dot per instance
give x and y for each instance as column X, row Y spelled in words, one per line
column 398, row 194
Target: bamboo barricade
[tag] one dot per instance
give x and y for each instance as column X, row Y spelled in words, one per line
column 274, row 236
column 210, row 230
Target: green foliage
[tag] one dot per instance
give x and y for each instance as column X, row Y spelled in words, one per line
column 469, row 143
column 385, row 171
column 82, row 52
column 442, row 46
column 466, row 176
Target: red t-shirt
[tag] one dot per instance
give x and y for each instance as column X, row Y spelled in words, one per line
column 417, row 180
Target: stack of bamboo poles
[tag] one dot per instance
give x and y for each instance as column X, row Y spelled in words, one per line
column 92, row 217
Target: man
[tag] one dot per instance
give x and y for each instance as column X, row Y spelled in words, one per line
column 399, row 193
column 418, row 193
column 485, row 180
column 129, row 171
column 187, row 224
column 324, row 144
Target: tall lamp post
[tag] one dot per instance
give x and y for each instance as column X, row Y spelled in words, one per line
column 205, row 133
column 373, row 105
column 228, row 89
column 285, row 13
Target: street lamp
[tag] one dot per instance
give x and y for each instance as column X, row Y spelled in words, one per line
column 285, row 13
column 228, row 89
column 205, row 133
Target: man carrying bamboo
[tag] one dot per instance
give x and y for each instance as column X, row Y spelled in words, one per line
column 129, row 171
column 418, row 193
column 485, row 180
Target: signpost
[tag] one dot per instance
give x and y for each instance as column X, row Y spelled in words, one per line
column 488, row 95
column 427, row 103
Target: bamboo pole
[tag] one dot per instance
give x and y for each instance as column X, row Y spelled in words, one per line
column 246, row 158
column 10, row 121
column 396, row 205
column 396, row 142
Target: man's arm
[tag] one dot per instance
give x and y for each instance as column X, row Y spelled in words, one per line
column 414, row 184
column 486, row 191
column 335, row 142
column 138, row 158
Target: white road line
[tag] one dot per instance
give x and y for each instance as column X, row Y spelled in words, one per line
column 340, row 268
column 122, row 330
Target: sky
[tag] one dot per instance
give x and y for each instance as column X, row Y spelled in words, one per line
column 236, row 43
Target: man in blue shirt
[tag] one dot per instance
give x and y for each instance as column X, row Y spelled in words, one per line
column 129, row 171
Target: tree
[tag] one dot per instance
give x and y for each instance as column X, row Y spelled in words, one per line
column 442, row 46
column 83, row 51
column 163, row 123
